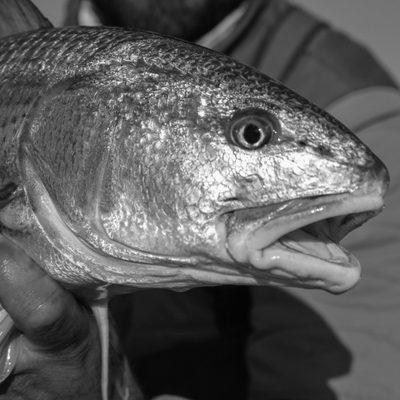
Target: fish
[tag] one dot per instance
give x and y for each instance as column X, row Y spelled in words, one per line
column 134, row 160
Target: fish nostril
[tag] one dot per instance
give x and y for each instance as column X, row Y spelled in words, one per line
column 321, row 149
column 324, row 150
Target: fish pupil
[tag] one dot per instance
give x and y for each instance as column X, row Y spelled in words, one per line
column 252, row 134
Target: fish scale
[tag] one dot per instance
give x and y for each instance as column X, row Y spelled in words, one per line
column 61, row 52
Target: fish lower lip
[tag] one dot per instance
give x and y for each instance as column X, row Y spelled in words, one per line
column 299, row 242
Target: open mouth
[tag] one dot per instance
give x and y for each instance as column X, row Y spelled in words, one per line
column 321, row 239
column 297, row 242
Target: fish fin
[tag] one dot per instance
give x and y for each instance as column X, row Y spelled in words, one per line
column 19, row 16
column 100, row 312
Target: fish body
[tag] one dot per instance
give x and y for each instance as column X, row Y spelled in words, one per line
column 121, row 150
column 132, row 160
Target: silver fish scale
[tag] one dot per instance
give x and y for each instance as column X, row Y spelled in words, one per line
column 31, row 63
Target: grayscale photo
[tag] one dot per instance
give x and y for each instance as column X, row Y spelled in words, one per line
column 199, row 200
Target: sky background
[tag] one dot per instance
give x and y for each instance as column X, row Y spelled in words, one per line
column 374, row 23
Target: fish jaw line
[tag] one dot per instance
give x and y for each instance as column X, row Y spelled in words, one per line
column 279, row 246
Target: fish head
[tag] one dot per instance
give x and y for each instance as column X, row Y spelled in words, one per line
column 187, row 168
column 299, row 181
column 235, row 168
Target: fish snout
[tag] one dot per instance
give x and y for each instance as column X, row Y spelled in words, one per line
column 378, row 177
column 381, row 174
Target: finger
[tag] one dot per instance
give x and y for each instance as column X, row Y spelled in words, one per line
column 45, row 312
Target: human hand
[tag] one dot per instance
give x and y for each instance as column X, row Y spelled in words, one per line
column 59, row 353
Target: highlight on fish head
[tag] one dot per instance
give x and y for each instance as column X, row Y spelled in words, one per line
column 191, row 169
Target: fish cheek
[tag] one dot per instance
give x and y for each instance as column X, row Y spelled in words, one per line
column 201, row 179
column 150, row 179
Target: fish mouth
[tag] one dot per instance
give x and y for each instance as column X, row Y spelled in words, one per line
column 296, row 243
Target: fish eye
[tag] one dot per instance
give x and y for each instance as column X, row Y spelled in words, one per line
column 253, row 129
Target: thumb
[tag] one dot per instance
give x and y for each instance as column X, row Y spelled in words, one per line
column 46, row 313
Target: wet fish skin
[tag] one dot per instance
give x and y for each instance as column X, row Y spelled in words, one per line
column 119, row 169
column 126, row 135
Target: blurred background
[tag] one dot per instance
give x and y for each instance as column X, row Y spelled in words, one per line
column 374, row 23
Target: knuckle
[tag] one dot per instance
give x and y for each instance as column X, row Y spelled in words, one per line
column 59, row 328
